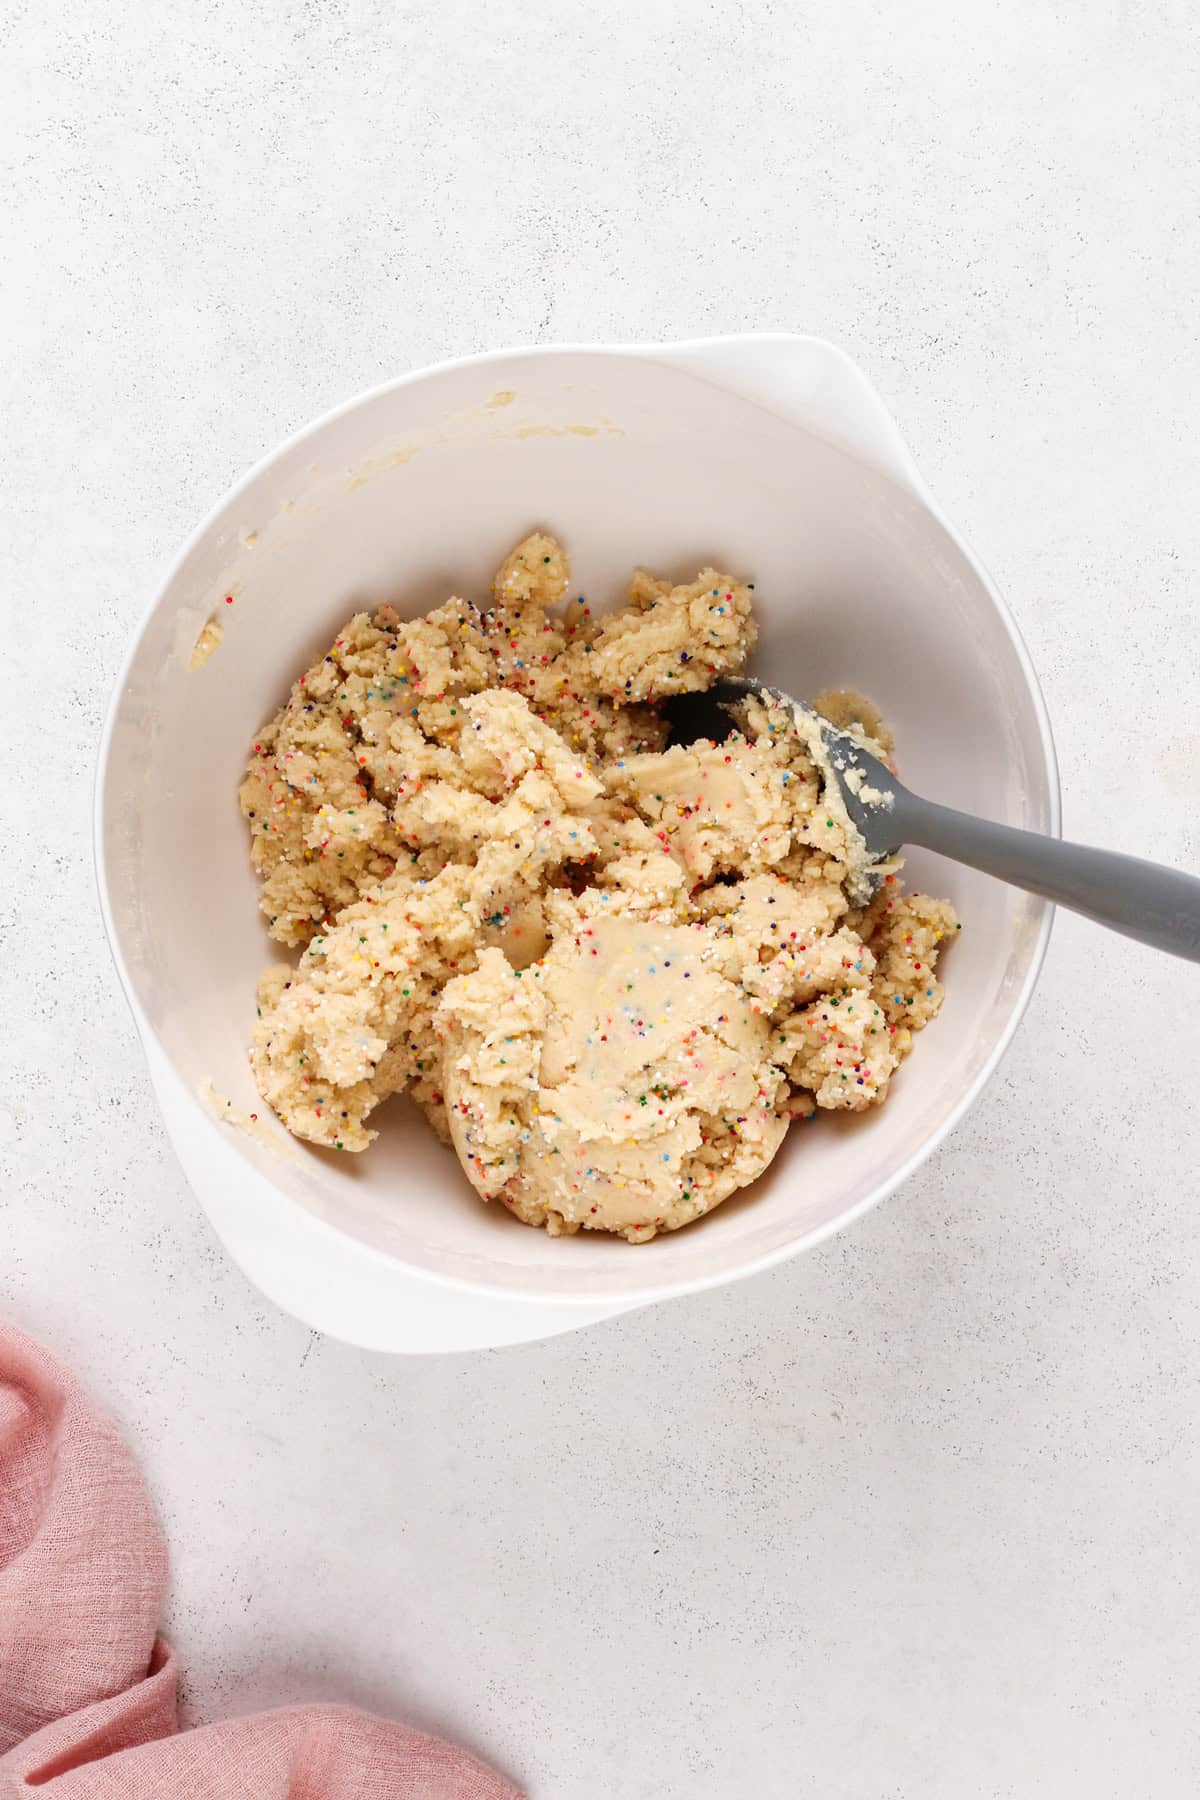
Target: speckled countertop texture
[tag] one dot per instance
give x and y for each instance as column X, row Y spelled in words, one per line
column 915, row 1518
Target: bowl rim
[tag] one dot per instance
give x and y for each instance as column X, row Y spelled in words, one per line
column 569, row 1296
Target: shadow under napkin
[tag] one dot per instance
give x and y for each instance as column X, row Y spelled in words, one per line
column 87, row 1686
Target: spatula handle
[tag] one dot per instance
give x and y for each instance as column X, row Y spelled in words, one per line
column 1145, row 900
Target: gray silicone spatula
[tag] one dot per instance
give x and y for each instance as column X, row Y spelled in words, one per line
column 1156, row 905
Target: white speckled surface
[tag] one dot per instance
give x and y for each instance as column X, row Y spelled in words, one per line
column 889, row 1522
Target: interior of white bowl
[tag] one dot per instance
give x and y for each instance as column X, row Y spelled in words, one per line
column 418, row 491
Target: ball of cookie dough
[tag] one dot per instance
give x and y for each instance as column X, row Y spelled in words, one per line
column 624, row 1084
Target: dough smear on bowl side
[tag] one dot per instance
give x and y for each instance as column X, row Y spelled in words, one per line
column 609, row 972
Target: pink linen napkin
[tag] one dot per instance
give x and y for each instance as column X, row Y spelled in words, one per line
column 87, row 1686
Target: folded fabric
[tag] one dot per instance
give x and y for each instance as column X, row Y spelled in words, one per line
column 87, row 1686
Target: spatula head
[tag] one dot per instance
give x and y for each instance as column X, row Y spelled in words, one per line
column 867, row 787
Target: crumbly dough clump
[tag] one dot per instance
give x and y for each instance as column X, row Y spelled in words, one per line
column 608, row 971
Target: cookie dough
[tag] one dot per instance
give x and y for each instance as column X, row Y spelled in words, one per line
column 609, row 972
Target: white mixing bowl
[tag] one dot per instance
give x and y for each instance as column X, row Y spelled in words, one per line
column 769, row 456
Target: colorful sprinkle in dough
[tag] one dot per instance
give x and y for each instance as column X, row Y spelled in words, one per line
column 610, row 973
